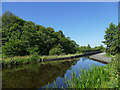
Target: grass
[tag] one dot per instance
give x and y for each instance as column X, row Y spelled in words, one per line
column 97, row 77
column 57, row 56
column 17, row 60
column 89, row 78
column 108, row 55
column 20, row 60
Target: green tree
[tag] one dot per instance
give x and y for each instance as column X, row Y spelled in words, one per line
column 57, row 50
column 88, row 47
column 112, row 36
column 115, row 45
column 0, row 23
column 20, row 37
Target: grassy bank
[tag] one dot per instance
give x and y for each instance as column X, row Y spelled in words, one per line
column 58, row 56
column 35, row 58
column 97, row 77
column 108, row 55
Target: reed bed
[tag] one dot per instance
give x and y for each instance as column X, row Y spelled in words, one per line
column 97, row 77
column 90, row 78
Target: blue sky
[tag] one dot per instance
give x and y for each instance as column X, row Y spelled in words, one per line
column 84, row 22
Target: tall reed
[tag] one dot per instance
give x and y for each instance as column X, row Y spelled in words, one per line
column 97, row 77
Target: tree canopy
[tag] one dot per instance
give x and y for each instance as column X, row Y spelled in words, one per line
column 112, row 39
column 20, row 37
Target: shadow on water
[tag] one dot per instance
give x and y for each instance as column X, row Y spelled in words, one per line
column 35, row 75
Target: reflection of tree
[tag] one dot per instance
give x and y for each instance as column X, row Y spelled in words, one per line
column 84, row 58
column 75, row 61
column 35, row 75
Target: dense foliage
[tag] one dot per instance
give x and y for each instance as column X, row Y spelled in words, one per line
column 0, row 35
column 56, row 51
column 20, row 37
column 112, row 39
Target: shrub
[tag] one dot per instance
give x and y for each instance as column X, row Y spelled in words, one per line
column 33, row 50
column 57, row 50
column 35, row 57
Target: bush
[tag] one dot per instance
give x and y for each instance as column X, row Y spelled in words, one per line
column 33, row 50
column 77, row 52
column 35, row 57
column 63, row 53
column 55, row 51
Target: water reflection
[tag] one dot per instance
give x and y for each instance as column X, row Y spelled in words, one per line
column 84, row 58
column 35, row 75
column 39, row 75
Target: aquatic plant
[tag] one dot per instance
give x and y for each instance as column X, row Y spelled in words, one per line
column 96, row 77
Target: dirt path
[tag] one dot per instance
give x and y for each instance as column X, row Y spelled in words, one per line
column 100, row 57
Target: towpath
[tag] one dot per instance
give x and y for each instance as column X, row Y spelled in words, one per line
column 100, row 57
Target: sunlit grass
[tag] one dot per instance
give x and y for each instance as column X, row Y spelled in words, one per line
column 20, row 60
column 57, row 56
column 108, row 55
column 17, row 60
column 96, row 77
column 90, row 78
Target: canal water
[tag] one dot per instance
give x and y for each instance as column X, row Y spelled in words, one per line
column 45, row 74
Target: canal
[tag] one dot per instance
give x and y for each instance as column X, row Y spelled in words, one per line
column 44, row 74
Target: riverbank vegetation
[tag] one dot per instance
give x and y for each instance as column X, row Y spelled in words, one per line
column 22, row 60
column 34, row 58
column 108, row 55
column 97, row 77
